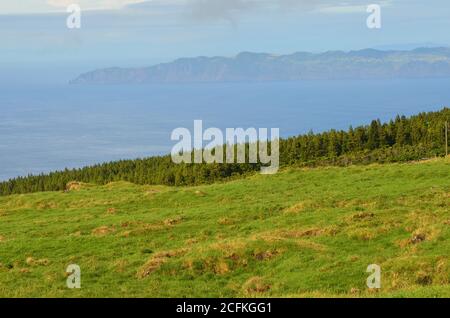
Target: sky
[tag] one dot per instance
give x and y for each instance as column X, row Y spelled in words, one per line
column 33, row 33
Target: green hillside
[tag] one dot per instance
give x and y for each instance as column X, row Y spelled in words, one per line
column 299, row 233
column 400, row 140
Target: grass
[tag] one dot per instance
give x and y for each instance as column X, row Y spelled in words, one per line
column 299, row 233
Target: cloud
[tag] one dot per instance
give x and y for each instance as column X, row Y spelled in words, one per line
column 94, row 4
column 232, row 9
column 202, row 10
column 353, row 7
column 218, row 9
column 59, row 3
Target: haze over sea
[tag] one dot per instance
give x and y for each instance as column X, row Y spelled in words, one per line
column 49, row 126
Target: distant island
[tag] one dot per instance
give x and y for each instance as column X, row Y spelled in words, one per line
column 260, row 67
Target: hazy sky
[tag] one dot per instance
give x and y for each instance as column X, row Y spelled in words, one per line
column 133, row 32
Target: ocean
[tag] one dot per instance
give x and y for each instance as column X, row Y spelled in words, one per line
column 51, row 126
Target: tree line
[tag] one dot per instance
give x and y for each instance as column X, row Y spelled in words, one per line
column 401, row 139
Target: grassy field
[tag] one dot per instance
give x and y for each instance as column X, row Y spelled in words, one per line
column 300, row 233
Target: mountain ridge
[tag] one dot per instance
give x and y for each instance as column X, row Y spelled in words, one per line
column 260, row 67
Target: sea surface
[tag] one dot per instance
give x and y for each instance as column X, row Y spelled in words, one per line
column 50, row 126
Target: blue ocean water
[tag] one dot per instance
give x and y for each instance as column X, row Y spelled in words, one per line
column 47, row 126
